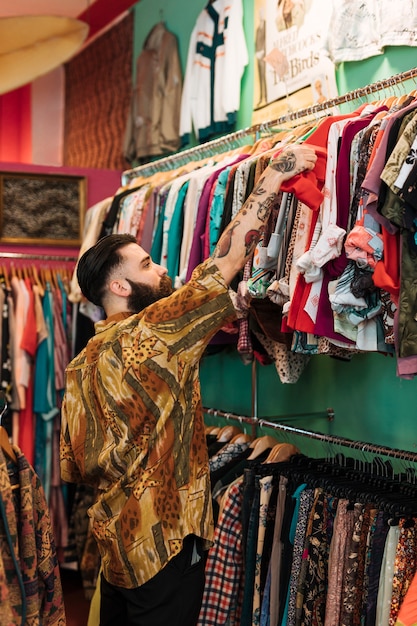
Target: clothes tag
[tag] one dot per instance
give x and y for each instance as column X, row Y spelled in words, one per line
column 196, row 557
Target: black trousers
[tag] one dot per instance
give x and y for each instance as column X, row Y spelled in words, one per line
column 171, row 598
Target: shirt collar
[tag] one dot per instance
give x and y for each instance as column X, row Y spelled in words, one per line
column 110, row 321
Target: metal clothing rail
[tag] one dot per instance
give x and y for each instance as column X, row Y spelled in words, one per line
column 227, row 141
column 40, row 257
column 360, row 446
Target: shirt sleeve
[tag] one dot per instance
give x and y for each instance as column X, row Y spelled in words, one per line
column 189, row 318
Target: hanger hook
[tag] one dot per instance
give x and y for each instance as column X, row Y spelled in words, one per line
column 3, row 405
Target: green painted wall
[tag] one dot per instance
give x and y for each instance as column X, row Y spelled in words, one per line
column 370, row 402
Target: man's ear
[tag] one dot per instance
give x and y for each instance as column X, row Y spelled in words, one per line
column 120, row 287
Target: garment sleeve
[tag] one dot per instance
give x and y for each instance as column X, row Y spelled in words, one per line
column 188, row 319
column 236, row 59
column 187, row 93
column 69, row 470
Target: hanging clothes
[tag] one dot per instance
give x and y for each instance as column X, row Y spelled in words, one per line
column 308, row 541
column 153, row 122
column 339, row 280
column 30, row 589
column 217, row 56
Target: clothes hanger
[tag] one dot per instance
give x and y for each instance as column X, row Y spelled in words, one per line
column 227, row 433
column 37, row 281
column 261, row 444
column 281, row 452
column 5, row 444
column 241, row 438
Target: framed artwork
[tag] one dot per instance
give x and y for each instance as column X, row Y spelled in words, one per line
column 42, row 208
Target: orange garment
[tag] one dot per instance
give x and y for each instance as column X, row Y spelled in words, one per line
column 408, row 610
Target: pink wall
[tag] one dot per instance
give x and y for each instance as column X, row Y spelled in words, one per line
column 100, row 184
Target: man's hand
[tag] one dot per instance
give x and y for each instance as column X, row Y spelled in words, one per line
column 292, row 160
column 239, row 239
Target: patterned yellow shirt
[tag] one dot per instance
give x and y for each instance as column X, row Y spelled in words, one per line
column 132, row 425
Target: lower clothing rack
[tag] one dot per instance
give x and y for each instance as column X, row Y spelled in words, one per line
column 361, row 446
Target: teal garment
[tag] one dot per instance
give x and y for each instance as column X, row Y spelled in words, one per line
column 64, row 301
column 156, row 249
column 45, row 399
column 296, row 496
column 175, row 233
column 217, row 208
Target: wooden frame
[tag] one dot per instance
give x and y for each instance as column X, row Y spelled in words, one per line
column 41, row 208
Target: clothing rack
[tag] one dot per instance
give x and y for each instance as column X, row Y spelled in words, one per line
column 233, row 139
column 360, row 446
column 40, row 257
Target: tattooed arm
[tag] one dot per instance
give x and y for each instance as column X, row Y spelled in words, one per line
column 241, row 236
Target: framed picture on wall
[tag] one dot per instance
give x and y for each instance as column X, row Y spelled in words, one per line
column 42, row 208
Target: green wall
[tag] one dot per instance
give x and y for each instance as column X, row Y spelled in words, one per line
column 370, row 402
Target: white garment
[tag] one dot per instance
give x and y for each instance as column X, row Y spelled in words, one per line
column 383, row 605
column 328, row 209
column 355, row 30
column 361, row 30
column 192, row 199
column 398, row 22
column 227, row 58
column 173, row 189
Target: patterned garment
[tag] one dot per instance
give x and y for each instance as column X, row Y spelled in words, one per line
column 132, row 425
column 28, row 555
column 309, row 574
column 405, row 565
column 224, row 568
column 350, row 589
column 362, row 580
column 266, row 485
column 342, row 533
column 228, row 452
column 314, row 605
column 306, row 502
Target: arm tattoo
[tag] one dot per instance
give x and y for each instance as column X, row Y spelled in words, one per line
column 264, row 208
column 286, row 162
column 251, row 239
column 224, row 243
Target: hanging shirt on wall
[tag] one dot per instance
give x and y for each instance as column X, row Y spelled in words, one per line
column 217, row 56
column 153, row 122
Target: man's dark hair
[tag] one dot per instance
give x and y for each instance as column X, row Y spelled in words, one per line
column 96, row 264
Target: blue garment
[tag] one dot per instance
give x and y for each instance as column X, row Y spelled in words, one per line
column 265, row 619
column 156, row 250
column 296, row 495
column 217, row 207
column 45, row 400
column 175, row 233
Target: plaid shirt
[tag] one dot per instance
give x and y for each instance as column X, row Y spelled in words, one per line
column 222, row 600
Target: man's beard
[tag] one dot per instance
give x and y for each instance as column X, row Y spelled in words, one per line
column 144, row 295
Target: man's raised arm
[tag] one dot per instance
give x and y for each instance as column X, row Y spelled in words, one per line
column 239, row 239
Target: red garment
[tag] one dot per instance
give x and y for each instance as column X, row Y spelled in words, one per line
column 26, row 432
column 297, row 317
column 307, row 185
column 387, row 271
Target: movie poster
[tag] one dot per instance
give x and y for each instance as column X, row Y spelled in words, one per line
column 292, row 66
